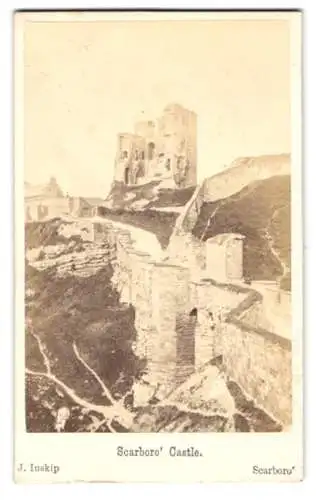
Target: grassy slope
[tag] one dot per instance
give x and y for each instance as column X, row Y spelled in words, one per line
column 45, row 233
column 148, row 218
column 250, row 212
column 119, row 195
column 159, row 223
column 82, row 310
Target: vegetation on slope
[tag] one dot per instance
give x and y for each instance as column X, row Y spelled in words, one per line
column 43, row 233
column 260, row 212
column 159, row 223
column 151, row 194
column 85, row 311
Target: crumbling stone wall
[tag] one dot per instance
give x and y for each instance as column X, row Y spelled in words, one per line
column 213, row 302
column 171, row 352
column 257, row 359
column 183, row 323
column 164, row 148
column 141, row 271
column 244, row 171
column 159, row 293
column 262, row 365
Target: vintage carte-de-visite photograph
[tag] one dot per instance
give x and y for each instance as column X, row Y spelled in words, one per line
column 157, row 227
column 157, row 173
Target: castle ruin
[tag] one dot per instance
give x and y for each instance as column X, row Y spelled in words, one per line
column 185, row 320
column 160, row 149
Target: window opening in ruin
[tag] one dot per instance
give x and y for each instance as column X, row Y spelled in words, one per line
column 126, row 176
column 150, row 150
column 193, row 313
column 124, row 155
column 142, row 155
column 168, row 164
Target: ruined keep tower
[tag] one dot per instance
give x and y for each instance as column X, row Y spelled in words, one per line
column 177, row 137
column 164, row 148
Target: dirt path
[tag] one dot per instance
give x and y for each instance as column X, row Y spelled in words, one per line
column 270, row 241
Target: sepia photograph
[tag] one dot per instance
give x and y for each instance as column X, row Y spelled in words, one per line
column 156, row 157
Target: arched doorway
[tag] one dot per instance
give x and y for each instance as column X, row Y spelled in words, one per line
column 150, row 150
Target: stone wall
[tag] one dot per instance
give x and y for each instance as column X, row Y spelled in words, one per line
column 159, row 292
column 224, row 257
column 213, row 303
column 257, row 359
column 171, row 345
column 183, row 323
column 243, row 171
column 186, row 248
column 262, row 365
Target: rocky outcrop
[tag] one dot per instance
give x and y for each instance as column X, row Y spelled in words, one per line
column 86, row 261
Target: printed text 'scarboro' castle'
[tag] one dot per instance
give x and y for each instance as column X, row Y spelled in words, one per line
column 160, row 149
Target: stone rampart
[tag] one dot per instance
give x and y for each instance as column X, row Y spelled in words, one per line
column 182, row 323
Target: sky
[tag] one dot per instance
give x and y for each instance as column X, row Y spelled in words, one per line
column 84, row 82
